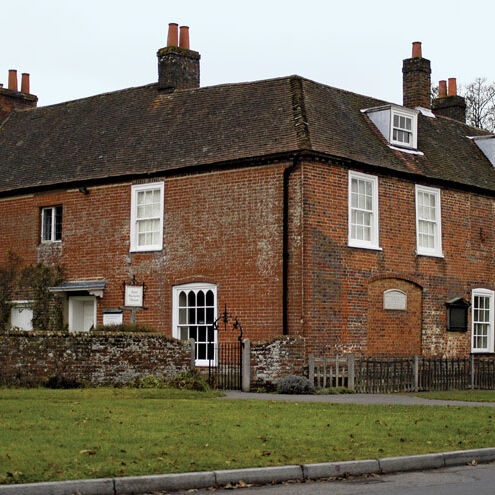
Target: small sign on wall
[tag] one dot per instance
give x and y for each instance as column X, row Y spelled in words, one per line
column 112, row 318
column 395, row 299
column 133, row 296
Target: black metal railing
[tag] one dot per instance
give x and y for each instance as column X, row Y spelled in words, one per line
column 225, row 371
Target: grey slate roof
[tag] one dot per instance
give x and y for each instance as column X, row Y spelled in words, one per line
column 141, row 130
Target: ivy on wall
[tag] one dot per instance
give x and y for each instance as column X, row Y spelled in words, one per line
column 31, row 282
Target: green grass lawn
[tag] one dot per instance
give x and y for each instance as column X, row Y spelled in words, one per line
column 468, row 395
column 55, row 435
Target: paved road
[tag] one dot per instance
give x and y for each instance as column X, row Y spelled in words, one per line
column 464, row 480
column 386, row 399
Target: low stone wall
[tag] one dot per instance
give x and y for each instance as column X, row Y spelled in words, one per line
column 30, row 358
column 270, row 361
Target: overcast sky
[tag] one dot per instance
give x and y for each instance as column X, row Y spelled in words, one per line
column 78, row 48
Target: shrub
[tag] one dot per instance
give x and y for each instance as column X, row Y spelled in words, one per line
column 190, row 380
column 149, row 381
column 63, row 382
column 124, row 328
column 293, row 384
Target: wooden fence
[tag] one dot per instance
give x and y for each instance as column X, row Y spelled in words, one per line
column 411, row 374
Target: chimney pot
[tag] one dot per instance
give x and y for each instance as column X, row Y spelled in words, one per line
column 452, row 86
column 442, row 89
column 25, row 83
column 184, row 37
column 416, row 49
column 173, row 34
column 13, row 79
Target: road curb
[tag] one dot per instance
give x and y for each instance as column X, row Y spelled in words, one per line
column 134, row 485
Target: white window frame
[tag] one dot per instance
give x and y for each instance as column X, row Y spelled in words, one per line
column 436, row 251
column 71, row 310
column 134, row 247
column 490, row 294
column 53, row 224
column 24, row 305
column 373, row 243
column 413, row 115
column 196, row 286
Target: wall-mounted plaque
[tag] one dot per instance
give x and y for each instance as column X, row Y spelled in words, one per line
column 112, row 318
column 395, row 299
column 133, row 295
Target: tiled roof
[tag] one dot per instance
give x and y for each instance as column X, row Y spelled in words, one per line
column 141, row 130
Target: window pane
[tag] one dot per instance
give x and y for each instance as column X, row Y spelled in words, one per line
column 191, row 298
column 209, row 298
column 58, row 223
column 47, row 224
column 201, row 298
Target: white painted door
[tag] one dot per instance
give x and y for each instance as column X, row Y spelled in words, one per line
column 82, row 313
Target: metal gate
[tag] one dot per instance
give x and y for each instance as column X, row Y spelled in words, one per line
column 225, row 370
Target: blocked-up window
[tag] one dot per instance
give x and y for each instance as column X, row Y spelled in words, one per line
column 428, row 221
column 147, row 217
column 363, row 210
column 194, row 312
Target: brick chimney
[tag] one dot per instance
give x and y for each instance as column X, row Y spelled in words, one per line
column 416, row 82
column 178, row 66
column 12, row 99
column 449, row 104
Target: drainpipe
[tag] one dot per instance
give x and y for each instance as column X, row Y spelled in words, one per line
column 285, row 243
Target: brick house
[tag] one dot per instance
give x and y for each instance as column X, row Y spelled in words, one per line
column 360, row 225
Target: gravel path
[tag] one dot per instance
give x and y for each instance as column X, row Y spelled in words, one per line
column 379, row 399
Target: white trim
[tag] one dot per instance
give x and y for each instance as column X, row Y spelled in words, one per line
column 373, row 243
column 406, row 150
column 53, row 224
column 410, row 114
column 487, row 293
column 196, row 286
column 436, row 251
column 71, row 310
column 134, row 192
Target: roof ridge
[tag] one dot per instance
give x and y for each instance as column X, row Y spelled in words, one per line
column 299, row 111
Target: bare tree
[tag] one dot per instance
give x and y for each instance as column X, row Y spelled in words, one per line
column 480, row 104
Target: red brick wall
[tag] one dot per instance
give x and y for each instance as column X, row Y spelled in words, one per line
column 337, row 277
column 222, row 227
column 394, row 331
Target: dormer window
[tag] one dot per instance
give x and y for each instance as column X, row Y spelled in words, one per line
column 401, row 129
column 399, row 126
column 486, row 144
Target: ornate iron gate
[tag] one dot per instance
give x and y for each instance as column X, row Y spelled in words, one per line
column 225, row 370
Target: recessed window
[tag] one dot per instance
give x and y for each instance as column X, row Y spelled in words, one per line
column 51, row 224
column 194, row 312
column 363, row 210
column 428, row 221
column 147, row 217
column 482, row 321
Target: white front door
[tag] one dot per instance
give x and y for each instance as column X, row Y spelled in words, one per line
column 82, row 313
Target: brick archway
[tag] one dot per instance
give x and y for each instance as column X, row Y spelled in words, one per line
column 394, row 332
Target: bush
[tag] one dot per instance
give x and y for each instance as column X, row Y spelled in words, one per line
column 63, row 382
column 149, row 381
column 293, row 384
column 190, row 380
column 124, row 328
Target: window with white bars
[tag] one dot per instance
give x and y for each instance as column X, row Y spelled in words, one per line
column 482, row 321
column 51, row 224
column 194, row 312
column 147, row 217
column 428, row 221
column 403, row 128
column 363, row 210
